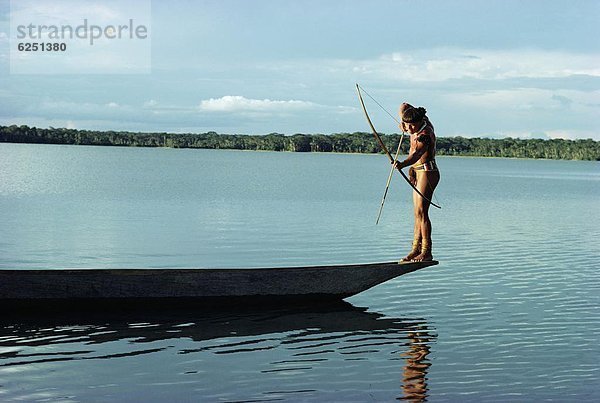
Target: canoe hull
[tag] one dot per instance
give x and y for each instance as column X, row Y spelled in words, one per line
column 211, row 285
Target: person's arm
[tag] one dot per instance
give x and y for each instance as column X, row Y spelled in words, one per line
column 422, row 144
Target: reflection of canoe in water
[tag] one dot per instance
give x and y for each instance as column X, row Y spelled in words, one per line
column 164, row 322
column 306, row 341
column 218, row 286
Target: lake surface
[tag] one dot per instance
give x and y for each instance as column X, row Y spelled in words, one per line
column 512, row 313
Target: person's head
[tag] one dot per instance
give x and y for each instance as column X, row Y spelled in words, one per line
column 412, row 118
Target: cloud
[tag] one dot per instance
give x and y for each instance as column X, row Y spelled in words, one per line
column 443, row 64
column 437, row 65
column 150, row 103
column 527, row 99
column 522, row 113
column 564, row 101
column 236, row 103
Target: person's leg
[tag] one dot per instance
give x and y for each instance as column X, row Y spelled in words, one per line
column 416, row 244
column 426, row 183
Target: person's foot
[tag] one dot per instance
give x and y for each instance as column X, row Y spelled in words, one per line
column 409, row 258
column 423, row 257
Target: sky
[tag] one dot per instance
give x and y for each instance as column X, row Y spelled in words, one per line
column 526, row 69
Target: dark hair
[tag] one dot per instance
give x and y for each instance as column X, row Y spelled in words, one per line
column 413, row 115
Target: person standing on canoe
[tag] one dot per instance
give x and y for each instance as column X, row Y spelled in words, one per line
column 423, row 174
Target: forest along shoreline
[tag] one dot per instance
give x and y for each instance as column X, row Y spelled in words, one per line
column 357, row 142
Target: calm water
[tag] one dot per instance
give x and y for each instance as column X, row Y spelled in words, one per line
column 512, row 313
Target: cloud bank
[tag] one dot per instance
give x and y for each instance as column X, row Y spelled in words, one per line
column 453, row 63
column 469, row 92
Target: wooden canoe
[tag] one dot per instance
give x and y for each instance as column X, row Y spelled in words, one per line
column 215, row 286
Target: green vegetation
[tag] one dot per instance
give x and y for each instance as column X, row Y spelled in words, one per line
column 340, row 142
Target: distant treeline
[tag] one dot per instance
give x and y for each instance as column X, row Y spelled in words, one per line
column 358, row 142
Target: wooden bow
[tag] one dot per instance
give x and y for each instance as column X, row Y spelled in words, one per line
column 387, row 152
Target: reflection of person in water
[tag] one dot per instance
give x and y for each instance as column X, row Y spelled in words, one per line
column 414, row 376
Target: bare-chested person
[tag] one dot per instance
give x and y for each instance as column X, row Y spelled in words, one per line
column 423, row 174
